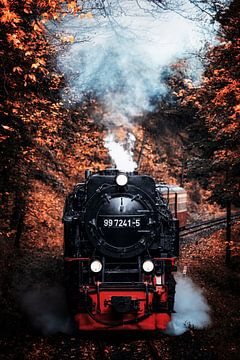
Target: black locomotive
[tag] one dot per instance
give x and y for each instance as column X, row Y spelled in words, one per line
column 120, row 246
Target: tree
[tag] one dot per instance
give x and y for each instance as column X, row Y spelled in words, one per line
column 218, row 107
column 29, row 98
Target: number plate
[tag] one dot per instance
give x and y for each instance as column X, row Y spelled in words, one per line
column 121, row 223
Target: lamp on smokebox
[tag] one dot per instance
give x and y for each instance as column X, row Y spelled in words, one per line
column 121, row 179
column 96, row 266
column 148, row 266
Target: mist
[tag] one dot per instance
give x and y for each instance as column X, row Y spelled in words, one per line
column 118, row 55
column 120, row 58
column 46, row 309
column 191, row 307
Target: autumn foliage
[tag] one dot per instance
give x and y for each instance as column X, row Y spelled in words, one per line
column 217, row 102
column 44, row 147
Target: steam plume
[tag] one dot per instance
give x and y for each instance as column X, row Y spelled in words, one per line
column 122, row 157
column 118, row 56
column 191, row 307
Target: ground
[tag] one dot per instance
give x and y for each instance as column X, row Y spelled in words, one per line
column 32, row 309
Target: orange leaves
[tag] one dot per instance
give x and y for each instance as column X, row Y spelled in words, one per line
column 73, row 8
column 230, row 86
column 88, row 15
column 44, row 215
column 14, row 38
column 217, row 102
column 9, row 17
column 68, row 39
column 218, row 72
column 38, row 63
column 72, row 5
column 28, row 53
column 55, row 81
column 18, row 69
column 27, row 104
column 229, row 129
column 37, row 27
column 188, row 83
column 27, row 10
column 45, row 16
column 237, row 108
column 225, row 155
column 7, row 132
column 4, row 137
column 35, row 65
column 30, row 77
column 5, row 127
column 5, row 3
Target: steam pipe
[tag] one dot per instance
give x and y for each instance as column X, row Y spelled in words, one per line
column 87, row 173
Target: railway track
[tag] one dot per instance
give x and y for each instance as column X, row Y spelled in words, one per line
column 205, row 225
column 153, row 350
column 149, row 348
column 102, row 349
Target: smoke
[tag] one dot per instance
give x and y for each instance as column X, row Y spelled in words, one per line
column 191, row 307
column 47, row 310
column 121, row 154
column 118, row 55
column 122, row 59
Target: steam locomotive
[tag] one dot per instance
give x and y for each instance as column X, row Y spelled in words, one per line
column 121, row 242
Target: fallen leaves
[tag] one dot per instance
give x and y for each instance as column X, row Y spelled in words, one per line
column 18, row 69
column 5, row 127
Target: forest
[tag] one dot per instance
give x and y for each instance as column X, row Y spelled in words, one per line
column 83, row 83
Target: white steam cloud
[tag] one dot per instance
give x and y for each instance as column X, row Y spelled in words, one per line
column 121, row 155
column 119, row 55
column 191, row 307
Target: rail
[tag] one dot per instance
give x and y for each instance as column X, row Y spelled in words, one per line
column 104, row 353
column 191, row 229
column 102, row 349
column 154, row 352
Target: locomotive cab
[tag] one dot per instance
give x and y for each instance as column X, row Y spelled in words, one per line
column 121, row 242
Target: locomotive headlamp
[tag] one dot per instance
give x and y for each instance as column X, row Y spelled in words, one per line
column 148, row 266
column 96, row 266
column 121, row 179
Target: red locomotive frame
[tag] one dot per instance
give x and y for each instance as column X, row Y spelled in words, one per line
column 102, row 317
